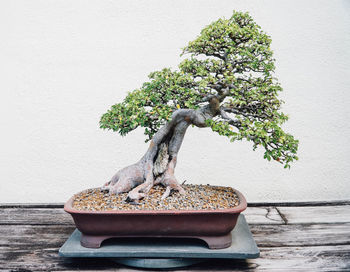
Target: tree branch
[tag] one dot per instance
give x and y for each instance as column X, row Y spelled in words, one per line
column 231, row 121
column 245, row 112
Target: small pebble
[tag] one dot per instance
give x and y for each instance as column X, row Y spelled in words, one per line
column 197, row 197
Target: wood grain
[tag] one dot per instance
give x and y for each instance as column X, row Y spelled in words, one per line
column 35, row 216
column 320, row 258
column 319, row 214
column 264, row 235
column 262, row 215
column 301, row 235
column 47, row 216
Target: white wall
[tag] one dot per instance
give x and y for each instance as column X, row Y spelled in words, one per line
column 64, row 63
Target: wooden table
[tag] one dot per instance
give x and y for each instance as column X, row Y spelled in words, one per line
column 291, row 237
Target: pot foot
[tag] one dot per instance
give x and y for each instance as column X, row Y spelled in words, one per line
column 92, row 241
column 217, row 242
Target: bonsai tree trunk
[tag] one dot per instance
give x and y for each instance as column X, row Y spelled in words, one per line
column 158, row 164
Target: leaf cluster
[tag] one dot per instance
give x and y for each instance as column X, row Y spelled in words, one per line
column 152, row 105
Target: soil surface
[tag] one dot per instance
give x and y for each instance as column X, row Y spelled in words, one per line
column 197, row 197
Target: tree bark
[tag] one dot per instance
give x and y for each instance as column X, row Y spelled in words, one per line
column 157, row 166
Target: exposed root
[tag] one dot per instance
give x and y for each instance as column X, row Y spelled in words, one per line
column 138, row 181
column 125, row 179
column 166, row 193
column 139, row 192
column 167, row 179
column 170, row 188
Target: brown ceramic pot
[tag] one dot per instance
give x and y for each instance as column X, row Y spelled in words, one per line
column 212, row 226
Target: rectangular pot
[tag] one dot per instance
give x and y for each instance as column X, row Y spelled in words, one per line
column 212, row 226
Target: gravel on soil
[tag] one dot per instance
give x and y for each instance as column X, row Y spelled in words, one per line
column 197, row 197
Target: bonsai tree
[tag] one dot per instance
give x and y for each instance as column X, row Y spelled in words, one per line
column 225, row 83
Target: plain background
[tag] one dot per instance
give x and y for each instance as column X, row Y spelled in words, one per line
column 64, row 63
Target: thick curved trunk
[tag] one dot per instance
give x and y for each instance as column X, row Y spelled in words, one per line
column 158, row 164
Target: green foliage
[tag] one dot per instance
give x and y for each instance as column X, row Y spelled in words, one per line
column 152, row 105
column 231, row 59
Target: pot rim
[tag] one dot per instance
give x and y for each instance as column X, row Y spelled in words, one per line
column 68, row 207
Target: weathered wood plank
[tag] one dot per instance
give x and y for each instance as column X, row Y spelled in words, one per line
column 254, row 215
column 47, row 259
column 32, row 205
column 311, row 241
column 34, row 216
column 321, row 258
column 262, row 215
column 301, row 235
column 54, row 216
column 320, row 214
column 35, row 248
column 37, row 237
column 298, row 204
